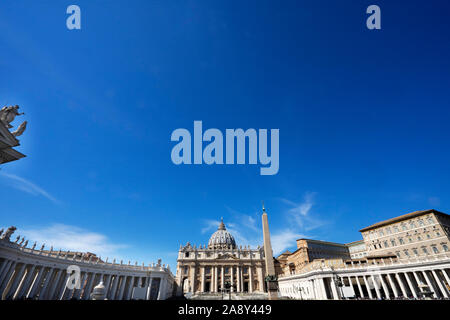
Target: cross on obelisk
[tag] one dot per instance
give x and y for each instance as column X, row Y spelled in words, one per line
column 271, row 278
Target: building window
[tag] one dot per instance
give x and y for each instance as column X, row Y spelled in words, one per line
column 227, row 270
column 381, row 233
column 245, row 270
column 435, row 250
column 404, row 227
column 396, row 229
column 401, row 241
column 207, row 270
column 419, row 238
column 438, row 234
column 410, row 240
column 186, row 254
column 430, row 220
column 425, row 250
column 428, row 236
column 186, row 269
column 415, row 252
column 444, row 246
column 386, row 244
column 406, row 253
column 388, row 230
column 412, row 224
column 421, row 222
column 393, row 243
column 397, row 253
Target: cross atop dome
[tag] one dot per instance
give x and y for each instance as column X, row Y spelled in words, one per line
column 221, row 225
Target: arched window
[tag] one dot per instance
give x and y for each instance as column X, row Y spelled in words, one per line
column 435, row 250
column 445, row 247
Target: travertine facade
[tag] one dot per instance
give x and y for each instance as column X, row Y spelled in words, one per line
column 309, row 250
column 420, row 233
column 206, row 269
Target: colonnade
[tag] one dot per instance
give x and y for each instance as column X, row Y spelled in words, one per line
column 404, row 281
column 242, row 277
column 36, row 274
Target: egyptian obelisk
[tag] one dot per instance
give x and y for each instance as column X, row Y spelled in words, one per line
column 271, row 278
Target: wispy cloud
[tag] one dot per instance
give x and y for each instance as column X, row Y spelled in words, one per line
column 300, row 212
column 27, row 186
column 283, row 240
column 69, row 237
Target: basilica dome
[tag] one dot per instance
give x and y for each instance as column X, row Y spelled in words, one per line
column 221, row 239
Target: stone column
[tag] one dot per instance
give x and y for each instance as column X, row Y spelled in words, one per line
column 391, row 281
column 377, row 288
column 112, row 294
column 446, row 276
column 77, row 292
column 411, row 285
column 222, row 275
column 419, row 282
column 385, row 288
column 260, row 279
column 108, row 284
column 88, row 289
column 162, row 288
column 121, row 288
column 400, row 283
column 232, row 278
column 202, row 271
column 369, row 291
column 333, row 289
column 55, row 284
column 192, row 278
column 149, row 288
column 439, row 283
column 242, row 279
column 7, row 276
column 4, row 266
column 36, row 283
column 250, row 279
column 5, row 269
column 361, row 292
column 17, row 278
column 238, row 278
column 130, row 288
column 211, row 283
column 62, row 287
column 26, row 282
column 46, row 284
column 216, row 279
column 430, row 285
column 322, row 288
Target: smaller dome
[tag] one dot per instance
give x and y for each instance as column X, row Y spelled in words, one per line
column 221, row 239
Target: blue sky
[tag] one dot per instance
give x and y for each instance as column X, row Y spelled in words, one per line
column 363, row 118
